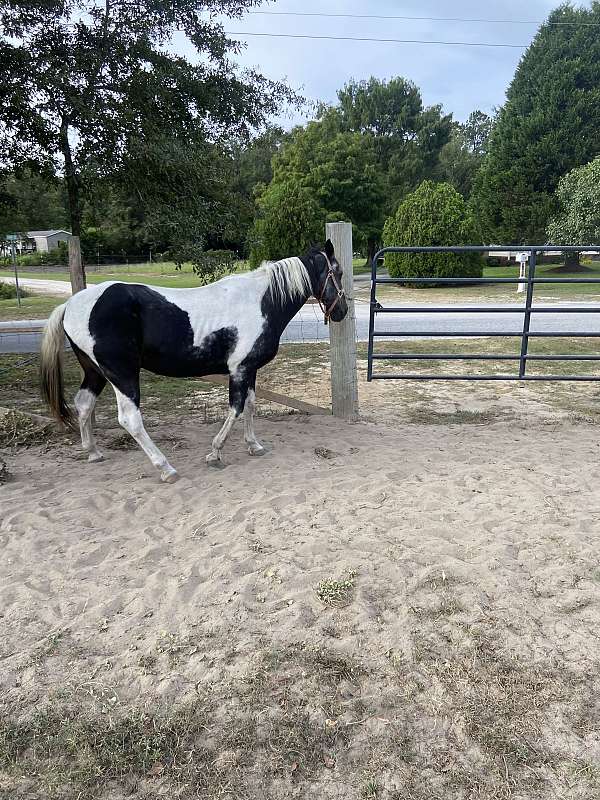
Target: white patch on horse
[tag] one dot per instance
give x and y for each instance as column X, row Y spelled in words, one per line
column 77, row 316
column 255, row 448
column 130, row 418
column 85, row 402
column 214, row 457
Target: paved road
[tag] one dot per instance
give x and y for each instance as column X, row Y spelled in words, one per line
column 307, row 326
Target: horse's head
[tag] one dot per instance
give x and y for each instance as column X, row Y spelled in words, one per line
column 326, row 279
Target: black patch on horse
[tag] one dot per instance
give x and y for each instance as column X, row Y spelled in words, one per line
column 134, row 326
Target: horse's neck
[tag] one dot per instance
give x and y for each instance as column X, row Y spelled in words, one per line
column 285, row 312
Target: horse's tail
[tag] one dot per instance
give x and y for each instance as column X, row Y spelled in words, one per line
column 51, row 377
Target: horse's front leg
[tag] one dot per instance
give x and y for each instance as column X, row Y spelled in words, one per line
column 255, row 448
column 238, row 392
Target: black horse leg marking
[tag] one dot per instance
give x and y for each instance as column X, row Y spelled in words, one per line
column 239, row 385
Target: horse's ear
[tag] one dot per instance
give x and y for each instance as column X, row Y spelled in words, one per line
column 329, row 252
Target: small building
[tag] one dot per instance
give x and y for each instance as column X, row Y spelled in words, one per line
column 33, row 241
column 48, row 240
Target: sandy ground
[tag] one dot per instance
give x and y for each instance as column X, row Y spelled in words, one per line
column 455, row 655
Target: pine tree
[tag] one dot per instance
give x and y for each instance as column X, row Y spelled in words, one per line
column 549, row 125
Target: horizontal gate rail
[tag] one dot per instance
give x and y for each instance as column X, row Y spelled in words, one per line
column 486, row 309
column 527, row 310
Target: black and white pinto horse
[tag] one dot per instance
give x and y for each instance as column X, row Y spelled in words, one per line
column 231, row 327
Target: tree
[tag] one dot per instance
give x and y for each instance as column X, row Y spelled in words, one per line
column 434, row 215
column 340, row 170
column 90, row 89
column 462, row 157
column 407, row 137
column 578, row 220
column 290, row 221
column 249, row 170
column 549, row 125
column 32, row 202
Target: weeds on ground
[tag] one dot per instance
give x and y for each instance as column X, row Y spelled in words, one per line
column 20, row 430
column 337, row 592
column 4, row 472
column 421, row 416
column 477, row 723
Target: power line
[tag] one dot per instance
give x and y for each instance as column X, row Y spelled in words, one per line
column 369, row 39
column 418, row 19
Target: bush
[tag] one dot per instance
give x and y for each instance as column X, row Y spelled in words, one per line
column 290, row 221
column 60, row 255
column 210, row 265
column 434, row 215
column 9, row 292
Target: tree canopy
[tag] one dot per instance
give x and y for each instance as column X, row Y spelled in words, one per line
column 289, row 221
column 361, row 156
column 549, row 125
column 92, row 90
column 407, row 136
column 578, row 220
column 462, row 157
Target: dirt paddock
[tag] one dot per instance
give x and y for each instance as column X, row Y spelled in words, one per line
column 399, row 608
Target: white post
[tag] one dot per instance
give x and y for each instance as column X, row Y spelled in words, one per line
column 523, row 259
column 342, row 335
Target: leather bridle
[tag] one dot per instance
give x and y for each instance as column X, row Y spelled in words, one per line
column 327, row 310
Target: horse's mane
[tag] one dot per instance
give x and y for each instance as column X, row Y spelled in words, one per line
column 287, row 278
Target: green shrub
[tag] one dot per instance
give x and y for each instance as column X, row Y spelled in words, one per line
column 211, row 265
column 9, row 292
column 59, row 255
column 290, row 220
column 434, row 215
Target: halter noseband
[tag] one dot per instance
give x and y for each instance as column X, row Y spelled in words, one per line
column 327, row 310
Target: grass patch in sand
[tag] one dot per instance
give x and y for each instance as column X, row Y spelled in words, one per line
column 21, row 430
column 468, row 721
column 4, row 472
column 420, row 416
column 337, row 592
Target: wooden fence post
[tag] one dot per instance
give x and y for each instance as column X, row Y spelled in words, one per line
column 76, row 265
column 342, row 335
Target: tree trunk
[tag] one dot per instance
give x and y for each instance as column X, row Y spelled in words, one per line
column 572, row 261
column 371, row 250
column 75, row 208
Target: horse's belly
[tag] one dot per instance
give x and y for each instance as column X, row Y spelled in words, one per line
column 180, row 357
column 177, row 365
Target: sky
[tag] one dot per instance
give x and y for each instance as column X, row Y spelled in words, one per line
column 460, row 78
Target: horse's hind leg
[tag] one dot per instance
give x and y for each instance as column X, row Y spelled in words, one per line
column 130, row 418
column 85, row 402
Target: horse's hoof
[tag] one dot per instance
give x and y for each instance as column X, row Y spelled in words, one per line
column 256, row 450
column 214, row 460
column 94, row 458
column 169, row 475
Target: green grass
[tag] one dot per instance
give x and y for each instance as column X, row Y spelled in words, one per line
column 552, row 271
column 159, row 275
column 32, row 307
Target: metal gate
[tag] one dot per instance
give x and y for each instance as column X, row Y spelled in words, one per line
column 524, row 334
